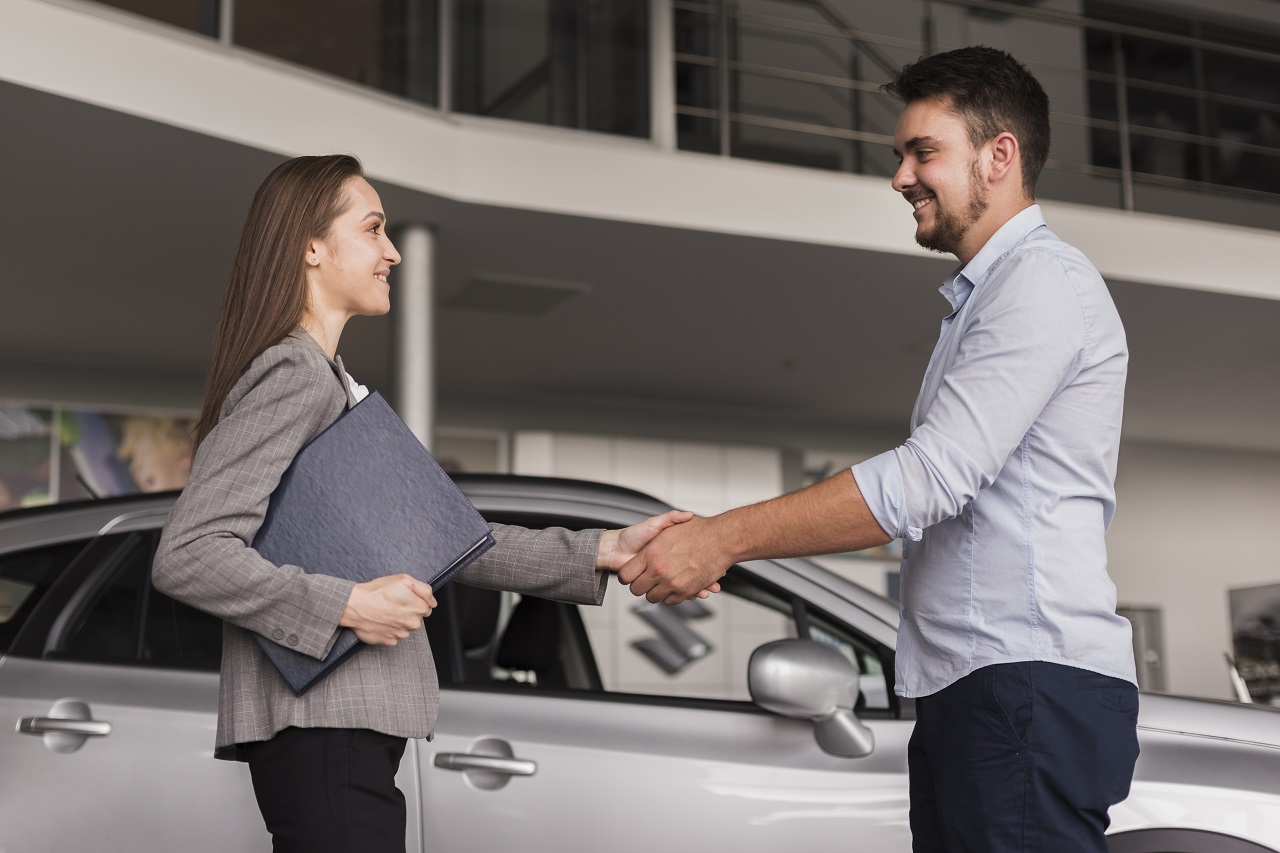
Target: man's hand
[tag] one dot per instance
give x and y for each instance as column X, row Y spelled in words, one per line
column 619, row 547
column 826, row 518
column 681, row 562
column 385, row 610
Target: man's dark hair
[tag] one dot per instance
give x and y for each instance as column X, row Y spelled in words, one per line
column 992, row 92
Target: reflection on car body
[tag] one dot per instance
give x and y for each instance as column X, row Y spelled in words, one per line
column 562, row 727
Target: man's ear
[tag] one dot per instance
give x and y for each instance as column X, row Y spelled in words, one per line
column 1006, row 158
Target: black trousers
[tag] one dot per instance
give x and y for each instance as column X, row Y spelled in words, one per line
column 330, row 790
column 1021, row 757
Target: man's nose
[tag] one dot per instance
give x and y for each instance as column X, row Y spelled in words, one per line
column 903, row 177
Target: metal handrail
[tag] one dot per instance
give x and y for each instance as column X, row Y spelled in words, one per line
column 1069, row 19
column 721, row 12
column 1081, row 22
column 883, row 62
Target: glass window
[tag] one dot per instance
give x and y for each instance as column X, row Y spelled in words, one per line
column 122, row 619
column 200, row 16
column 696, row 650
column 25, row 576
column 1177, row 91
column 569, row 63
column 873, row 668
column 798, row 89
column 104, row 625
column 388, row 44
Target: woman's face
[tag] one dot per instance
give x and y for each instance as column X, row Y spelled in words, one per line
column 347, row 271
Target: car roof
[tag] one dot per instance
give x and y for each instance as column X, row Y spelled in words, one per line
column 591, row 502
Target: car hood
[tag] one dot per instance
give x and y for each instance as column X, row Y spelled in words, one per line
column 1256, row 724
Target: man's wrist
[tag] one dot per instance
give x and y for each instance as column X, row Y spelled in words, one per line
column 726, row 538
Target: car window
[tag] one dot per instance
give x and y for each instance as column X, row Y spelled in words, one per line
column 120, row 618
column 696, row 650
column 868, row 657
column 25, row 576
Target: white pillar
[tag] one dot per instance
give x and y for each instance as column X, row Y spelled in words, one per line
column 662, row 74
column 413, row 307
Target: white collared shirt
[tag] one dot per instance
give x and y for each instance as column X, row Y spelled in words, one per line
column 1005, row 489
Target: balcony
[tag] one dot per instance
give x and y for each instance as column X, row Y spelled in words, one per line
column 1154, row 113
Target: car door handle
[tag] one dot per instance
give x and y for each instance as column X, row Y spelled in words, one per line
column 493, row 764
column 50, row 725
column 67, row 726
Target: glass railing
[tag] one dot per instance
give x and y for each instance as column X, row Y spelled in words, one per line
column 570, row 63
column 392, row 45
column 1149, row 111
column 1145, row 107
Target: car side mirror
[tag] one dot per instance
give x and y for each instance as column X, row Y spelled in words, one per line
column 807, row 680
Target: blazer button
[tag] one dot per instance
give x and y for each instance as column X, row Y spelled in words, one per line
column 293, row 639
column 278, row 633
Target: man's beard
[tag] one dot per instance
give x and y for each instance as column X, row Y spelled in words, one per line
column 950, row 229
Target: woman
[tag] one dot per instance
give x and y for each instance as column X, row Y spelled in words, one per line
column 314, row 253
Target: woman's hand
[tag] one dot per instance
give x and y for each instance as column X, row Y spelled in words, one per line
column 618, row 547
column 385, row 610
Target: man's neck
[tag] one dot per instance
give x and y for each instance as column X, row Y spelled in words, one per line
column 981, row 232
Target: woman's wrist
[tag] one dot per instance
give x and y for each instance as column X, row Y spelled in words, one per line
column 606, row 551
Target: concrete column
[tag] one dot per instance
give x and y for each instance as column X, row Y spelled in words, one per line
column 413, row 309
column 662, row 74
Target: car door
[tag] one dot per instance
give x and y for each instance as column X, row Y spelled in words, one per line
column 108, row 700
column 629, row 728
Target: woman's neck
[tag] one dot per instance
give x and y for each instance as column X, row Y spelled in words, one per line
column 325, row 330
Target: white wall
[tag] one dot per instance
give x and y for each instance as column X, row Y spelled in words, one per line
column 702, row 477
column 1191, row 524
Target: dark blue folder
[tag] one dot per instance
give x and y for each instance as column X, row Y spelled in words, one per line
column 362, row 500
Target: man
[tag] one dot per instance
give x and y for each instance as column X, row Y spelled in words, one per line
column 1022, row 672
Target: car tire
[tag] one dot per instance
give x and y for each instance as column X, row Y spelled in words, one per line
column 1180, row 841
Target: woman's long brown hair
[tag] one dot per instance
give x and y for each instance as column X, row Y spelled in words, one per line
column 267, row 293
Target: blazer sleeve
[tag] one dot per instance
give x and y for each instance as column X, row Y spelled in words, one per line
column 553, row 563
column 285, row 398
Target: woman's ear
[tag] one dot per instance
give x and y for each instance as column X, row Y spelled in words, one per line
column 313, row 254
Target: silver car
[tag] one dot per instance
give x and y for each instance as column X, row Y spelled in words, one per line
column 763, row 719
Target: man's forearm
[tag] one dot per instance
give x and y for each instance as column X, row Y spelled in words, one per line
column 829, row 517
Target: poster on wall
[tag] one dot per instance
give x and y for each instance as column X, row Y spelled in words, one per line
column 27, row 470
column 51, row 455
column 1255, row 635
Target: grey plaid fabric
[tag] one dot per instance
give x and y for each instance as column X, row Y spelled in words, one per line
column 288, row 396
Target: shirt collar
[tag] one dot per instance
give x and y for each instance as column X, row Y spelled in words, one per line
column 957, row 288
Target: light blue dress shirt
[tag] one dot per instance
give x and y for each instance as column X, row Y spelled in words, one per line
column 1004, row 491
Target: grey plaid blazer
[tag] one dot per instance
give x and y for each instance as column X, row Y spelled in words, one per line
column 288, row 396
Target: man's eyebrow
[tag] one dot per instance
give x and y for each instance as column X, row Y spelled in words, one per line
column 915, row 142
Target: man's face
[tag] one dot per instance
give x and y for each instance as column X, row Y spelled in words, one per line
column 940, row 174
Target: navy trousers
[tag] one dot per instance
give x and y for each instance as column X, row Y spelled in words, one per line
column 330, row 790
column 1023, row 757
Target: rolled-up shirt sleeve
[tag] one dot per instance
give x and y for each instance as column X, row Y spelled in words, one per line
column 880, row 481
column 1023, row 339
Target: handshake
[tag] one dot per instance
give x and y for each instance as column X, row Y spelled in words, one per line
column 669, row 558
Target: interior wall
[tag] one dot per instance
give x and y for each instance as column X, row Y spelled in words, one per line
column 702, row 477
column 1190, row 525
